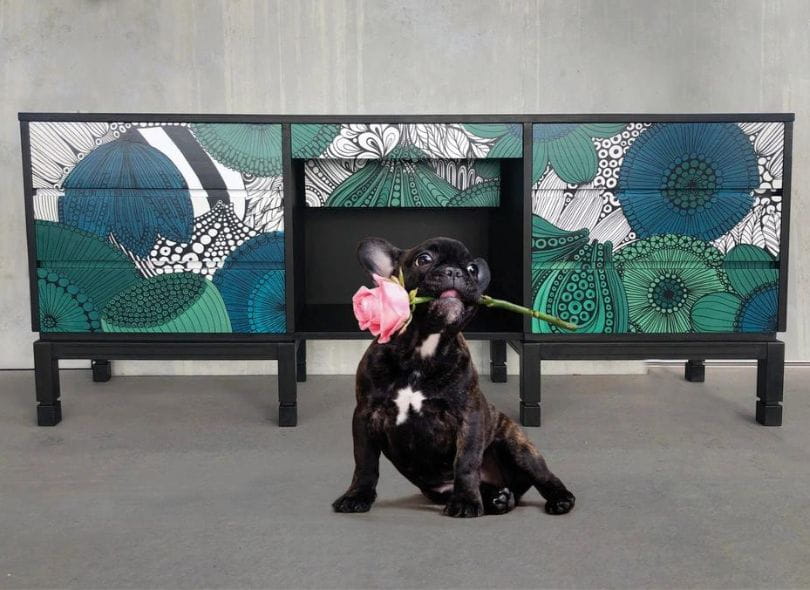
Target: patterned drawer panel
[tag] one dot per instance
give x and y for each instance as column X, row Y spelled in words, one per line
column 407, row 141
column 402, row 183
column 716, row 182
column 88, row 283
column 152, row 155
column 661, row 284
column 77, row 297
column 138, row 182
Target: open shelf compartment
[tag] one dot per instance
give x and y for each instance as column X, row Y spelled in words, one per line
column 327, row 274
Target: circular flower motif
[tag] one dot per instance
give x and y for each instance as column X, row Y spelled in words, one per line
column 253, row 148
column 63, row 307
column 753, row 305
column 664, row 276
column 668, row 293
column 758, row 311
column 569, row 149
column 252, row 284
column 695, row 179
column 129, row 189
column 266, row 304
column 310, row 140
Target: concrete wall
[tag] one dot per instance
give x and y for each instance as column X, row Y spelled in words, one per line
column 395, row 56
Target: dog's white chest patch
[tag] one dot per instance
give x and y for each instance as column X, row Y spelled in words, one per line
column 428, row 347
column 408, row 398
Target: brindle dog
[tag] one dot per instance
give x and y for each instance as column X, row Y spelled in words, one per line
column 419, row 401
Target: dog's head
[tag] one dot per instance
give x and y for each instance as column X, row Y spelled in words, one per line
column 440, row 267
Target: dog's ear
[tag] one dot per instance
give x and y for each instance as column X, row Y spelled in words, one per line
column 483, row 273
column 378, row 256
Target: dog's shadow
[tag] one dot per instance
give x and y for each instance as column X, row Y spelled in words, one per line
column 412, row 502
column 419, row 502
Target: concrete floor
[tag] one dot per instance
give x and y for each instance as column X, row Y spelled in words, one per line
column 183, row 482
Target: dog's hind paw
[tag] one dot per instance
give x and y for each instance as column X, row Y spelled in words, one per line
column 503, row 501
column 561, row 504
column 353, row 503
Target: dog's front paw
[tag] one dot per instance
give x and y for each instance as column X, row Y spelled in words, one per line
column 463, row 508
column 354, row 502
column 561, row 504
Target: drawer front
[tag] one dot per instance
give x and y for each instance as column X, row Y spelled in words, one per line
column 669, row 227
column 402, row 183
column 407, row 141
column 665, row 284
column 147, row 224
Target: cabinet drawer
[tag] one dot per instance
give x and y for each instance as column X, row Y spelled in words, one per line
column 408, row 141
column 662, row 284
column 665, row 299
column 84, row 297
column 717, row 182
column 701, row 156
column 151, row 155
column 81, row 273
column 402, row 183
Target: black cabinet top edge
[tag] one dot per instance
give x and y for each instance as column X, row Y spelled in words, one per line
column 412, row 118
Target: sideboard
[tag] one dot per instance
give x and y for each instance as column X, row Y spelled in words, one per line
column 180, row 236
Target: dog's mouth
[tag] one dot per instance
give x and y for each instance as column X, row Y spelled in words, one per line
column 449, row 293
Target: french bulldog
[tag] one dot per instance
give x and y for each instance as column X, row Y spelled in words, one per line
column 419, row 402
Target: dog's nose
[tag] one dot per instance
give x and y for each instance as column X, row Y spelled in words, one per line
column 453, row 273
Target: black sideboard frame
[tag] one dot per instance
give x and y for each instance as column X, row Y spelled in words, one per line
column 769, row 354
column 290, row 348
column 48, row 352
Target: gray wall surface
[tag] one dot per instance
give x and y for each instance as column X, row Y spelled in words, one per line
column 394, row 56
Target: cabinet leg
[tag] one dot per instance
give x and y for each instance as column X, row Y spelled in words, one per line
column 530, row 384
column 770, row 385
column 695, row 371
column 287, row 386
column 301, row 361
column 497, row 361
column 102, row 370
column 46, row 377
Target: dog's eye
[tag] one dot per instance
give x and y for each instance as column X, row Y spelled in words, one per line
column 423, row 258
column 472, row 269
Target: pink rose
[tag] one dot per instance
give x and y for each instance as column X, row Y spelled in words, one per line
column 384, row 310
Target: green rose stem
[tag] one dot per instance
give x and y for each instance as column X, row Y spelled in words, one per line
column 501, row 304
column 488, row 301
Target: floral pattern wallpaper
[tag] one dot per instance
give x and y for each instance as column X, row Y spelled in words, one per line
column 158, row 227
column 657, row 228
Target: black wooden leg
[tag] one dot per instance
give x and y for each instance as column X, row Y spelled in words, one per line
column 301, row 361
column 102, row 370
column 770, row 385
column 46, row 376
column 695, row 371
column 287, row 387
column 497, row 361
column 530, row 384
